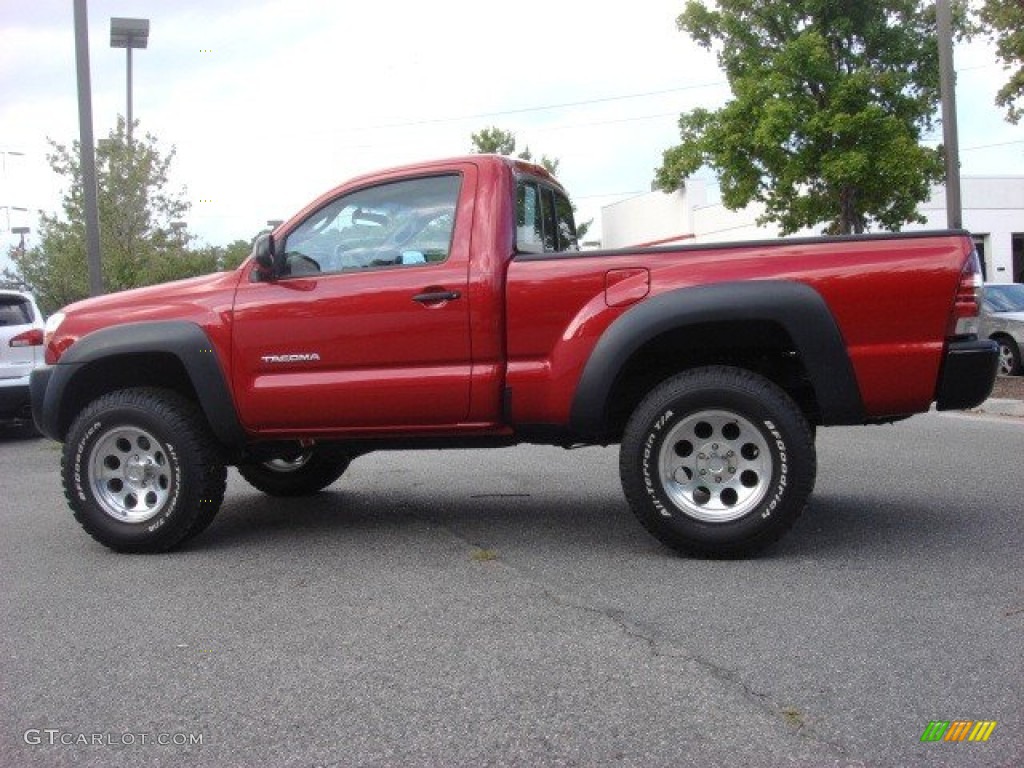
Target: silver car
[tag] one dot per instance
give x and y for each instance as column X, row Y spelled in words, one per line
column 21, row 350
column 1002, row 319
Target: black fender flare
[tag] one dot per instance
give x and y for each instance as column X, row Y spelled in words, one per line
column 797, row 308
column 183, row 340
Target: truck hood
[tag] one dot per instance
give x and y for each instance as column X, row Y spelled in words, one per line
column 162, row 299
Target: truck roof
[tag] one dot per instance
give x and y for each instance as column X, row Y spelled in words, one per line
column 517, row 165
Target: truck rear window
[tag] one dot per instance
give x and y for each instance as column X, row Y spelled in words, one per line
column 544, row 219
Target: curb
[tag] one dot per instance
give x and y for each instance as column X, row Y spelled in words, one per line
column 996, row 406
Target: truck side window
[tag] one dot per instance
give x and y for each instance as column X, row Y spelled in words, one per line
column 529, row 227
column 550, row 230
column 403, row 223
column 544, row 220
column 567, row 240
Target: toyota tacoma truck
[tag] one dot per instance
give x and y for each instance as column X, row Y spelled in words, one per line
column 446, row 304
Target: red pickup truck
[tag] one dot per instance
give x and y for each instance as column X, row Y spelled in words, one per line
column 446, row 304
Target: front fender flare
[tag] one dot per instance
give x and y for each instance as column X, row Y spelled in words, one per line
column 183, row 340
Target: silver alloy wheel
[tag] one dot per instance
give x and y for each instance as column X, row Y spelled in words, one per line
column 1006, row 359
column 289, row 465
column 715, row 466
column 130, row 475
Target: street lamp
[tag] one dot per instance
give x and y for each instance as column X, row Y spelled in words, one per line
column 21, row 231
column 178, row 228
column 5, row 153
column 128, row 34
column 10, row 208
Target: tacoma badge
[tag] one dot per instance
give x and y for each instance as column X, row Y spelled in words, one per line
column 309, row 357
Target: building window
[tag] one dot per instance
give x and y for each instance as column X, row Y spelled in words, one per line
column 980, row 241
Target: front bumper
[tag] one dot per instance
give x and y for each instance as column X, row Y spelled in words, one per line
column 967, row 375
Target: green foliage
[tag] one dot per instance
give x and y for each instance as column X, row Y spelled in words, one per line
column 233, row 254
column 142, row 241
column 1004, row 20
column 830, row 101
column 495, row 141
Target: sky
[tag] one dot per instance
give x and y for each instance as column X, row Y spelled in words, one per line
column 269, row 103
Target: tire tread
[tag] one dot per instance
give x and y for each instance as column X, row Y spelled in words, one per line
column 716, row 378
column 183, row 419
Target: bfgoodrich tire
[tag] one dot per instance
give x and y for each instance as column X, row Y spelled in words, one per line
column 717, row 462
column 301, row 475
column 141, row 471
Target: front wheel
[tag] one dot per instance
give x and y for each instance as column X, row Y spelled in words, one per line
column 141, row 471
column 718, row 462
column 303, row 474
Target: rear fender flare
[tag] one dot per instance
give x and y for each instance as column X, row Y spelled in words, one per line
column 796, row 307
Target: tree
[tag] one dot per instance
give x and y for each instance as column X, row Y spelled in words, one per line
column 1004, row 19
column 830, row 101
column 226, row 257
column 141, row 239
column 495, row 141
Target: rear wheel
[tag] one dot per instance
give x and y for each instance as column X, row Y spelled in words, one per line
column 141, row 471
column 718, row 462
column 301, row 474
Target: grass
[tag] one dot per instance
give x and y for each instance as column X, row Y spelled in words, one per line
column 480, row 555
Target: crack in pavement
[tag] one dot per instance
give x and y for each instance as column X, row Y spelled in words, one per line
column 635, row 630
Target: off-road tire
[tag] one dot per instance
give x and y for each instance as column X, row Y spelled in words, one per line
column 717, row 462
column 141, row 470
column 306, row 474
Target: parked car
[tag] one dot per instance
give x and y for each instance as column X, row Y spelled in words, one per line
column 1002, row 319
column 21, row 351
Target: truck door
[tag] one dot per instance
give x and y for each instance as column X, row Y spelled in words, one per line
column 369, row 326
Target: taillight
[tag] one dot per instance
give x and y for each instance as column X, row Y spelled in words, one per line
column 963, row 320
column 33, row 338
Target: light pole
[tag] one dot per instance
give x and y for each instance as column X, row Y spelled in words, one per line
column 128, row 34
column 88, row 149
column 947, row 87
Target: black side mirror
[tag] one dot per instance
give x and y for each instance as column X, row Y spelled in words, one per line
column 266, row 257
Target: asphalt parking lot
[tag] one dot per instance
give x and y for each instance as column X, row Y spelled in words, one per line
column 504, row 608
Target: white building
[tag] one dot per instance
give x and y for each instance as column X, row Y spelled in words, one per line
column 993, row 211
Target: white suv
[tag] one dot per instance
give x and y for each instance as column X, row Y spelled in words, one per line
column 21, row 350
